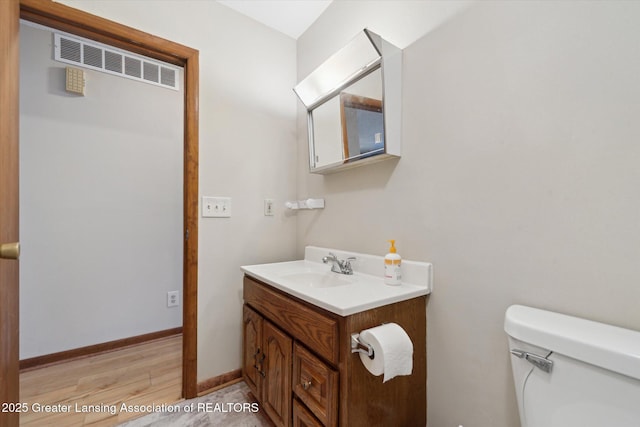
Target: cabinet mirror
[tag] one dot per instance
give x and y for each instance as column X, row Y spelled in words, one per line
column 350, row 126
column 353, row 105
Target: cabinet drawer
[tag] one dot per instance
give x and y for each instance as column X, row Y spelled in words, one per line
column 302, row 417
column 316, row 330
column 316, row 384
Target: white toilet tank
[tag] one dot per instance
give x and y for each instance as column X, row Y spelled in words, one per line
column 593, row 377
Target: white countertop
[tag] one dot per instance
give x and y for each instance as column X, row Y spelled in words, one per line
column 314, row 282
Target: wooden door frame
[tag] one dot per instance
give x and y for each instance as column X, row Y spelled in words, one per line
column 9, row 201
column 74, row 21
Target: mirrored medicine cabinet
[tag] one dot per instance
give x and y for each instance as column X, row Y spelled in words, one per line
column 353, row 103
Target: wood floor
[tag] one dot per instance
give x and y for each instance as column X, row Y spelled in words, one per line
column 94, row 388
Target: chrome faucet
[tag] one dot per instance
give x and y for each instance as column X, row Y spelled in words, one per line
column 339, row 266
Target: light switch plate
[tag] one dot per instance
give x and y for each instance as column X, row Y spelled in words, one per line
column 216, row 207
column 268, row 207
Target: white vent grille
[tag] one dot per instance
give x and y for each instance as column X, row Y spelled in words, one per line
column 167, row 76
column 96, row 56
column 132, row 67
column 69, row 50
column 113, row 61
column 92, row 56
column 151, row 72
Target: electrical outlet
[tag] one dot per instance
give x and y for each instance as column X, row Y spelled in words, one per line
column 173, row 299
column 268, row 207
column 216, row 207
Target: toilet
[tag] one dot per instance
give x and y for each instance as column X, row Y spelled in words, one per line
column 572, row 372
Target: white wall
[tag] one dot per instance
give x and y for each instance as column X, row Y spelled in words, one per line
column 100, row 205
column 247, row 151
column 519, row 177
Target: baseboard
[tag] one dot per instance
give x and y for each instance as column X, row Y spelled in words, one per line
column 63, row 356
column 215, row 383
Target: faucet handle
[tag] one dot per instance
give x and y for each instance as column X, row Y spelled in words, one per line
column 348, row 269
column 329, row 257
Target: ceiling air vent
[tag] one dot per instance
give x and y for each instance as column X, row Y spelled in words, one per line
column 96, row 56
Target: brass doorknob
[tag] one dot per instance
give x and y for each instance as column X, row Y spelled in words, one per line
column 10, row 250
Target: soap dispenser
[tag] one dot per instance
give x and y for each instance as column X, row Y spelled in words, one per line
column 392, row 266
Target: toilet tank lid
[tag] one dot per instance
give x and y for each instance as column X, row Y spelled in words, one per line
column 610, row 347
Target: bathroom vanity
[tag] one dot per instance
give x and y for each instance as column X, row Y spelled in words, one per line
column 297, row 356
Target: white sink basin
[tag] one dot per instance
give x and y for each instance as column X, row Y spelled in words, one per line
column 312, row 281
column 320, row 280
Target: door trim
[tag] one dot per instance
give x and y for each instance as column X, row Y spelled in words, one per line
column 93, row 27
column 9, row 230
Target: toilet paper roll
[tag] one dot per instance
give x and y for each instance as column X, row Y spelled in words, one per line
column 393, row 351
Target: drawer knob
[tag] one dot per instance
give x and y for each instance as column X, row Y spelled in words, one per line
column 306, row 384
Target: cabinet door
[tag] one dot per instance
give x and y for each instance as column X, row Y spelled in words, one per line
column 252, row 353
column 276, row 385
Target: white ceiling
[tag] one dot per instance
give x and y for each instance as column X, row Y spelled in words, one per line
column 291, row 17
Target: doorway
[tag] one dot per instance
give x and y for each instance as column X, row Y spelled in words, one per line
column 80, row 23
column 100, row 197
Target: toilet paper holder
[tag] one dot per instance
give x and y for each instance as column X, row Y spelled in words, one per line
column 358, row 346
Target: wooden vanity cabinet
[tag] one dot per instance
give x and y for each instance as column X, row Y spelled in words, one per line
column 298, row 363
